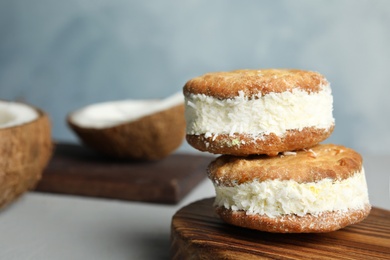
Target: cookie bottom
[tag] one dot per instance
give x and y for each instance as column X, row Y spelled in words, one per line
column 243, row 145
column 323, row 222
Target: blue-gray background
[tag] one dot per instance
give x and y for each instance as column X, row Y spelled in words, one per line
column 62, row 55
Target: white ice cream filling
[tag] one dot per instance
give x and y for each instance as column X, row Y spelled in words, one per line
column 259, row 115
column 275, row 197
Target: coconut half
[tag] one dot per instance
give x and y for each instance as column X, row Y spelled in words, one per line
column 133, row 129
column 25, row 148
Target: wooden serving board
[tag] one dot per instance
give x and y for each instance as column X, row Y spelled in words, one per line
column 198, row 233
column 76, row 170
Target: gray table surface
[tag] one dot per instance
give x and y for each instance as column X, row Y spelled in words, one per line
column 46, row 226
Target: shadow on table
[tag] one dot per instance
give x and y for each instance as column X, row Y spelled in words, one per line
column 153, row 246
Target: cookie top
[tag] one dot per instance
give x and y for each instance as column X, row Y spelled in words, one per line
column 225, row 85
column 310, row 165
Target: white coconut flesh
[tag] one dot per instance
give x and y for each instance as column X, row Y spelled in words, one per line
column 14, row 114
column 109, row 114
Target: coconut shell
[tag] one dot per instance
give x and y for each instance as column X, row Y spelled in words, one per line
column 151, row 137
column 25, row 151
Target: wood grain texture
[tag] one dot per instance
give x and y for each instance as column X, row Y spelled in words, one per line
column 75, row 170
column 198, row 233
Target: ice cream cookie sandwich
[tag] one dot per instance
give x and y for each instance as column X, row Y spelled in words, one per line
column 320, row 189
column 267, row 111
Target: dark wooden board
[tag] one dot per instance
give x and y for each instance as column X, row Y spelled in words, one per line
column 197, row 231
column 76, row 170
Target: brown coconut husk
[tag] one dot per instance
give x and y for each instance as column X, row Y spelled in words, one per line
column 25, row 151
column 151, row 137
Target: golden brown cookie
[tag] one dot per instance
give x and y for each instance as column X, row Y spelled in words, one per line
column 320, row 189
column 268, row 111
